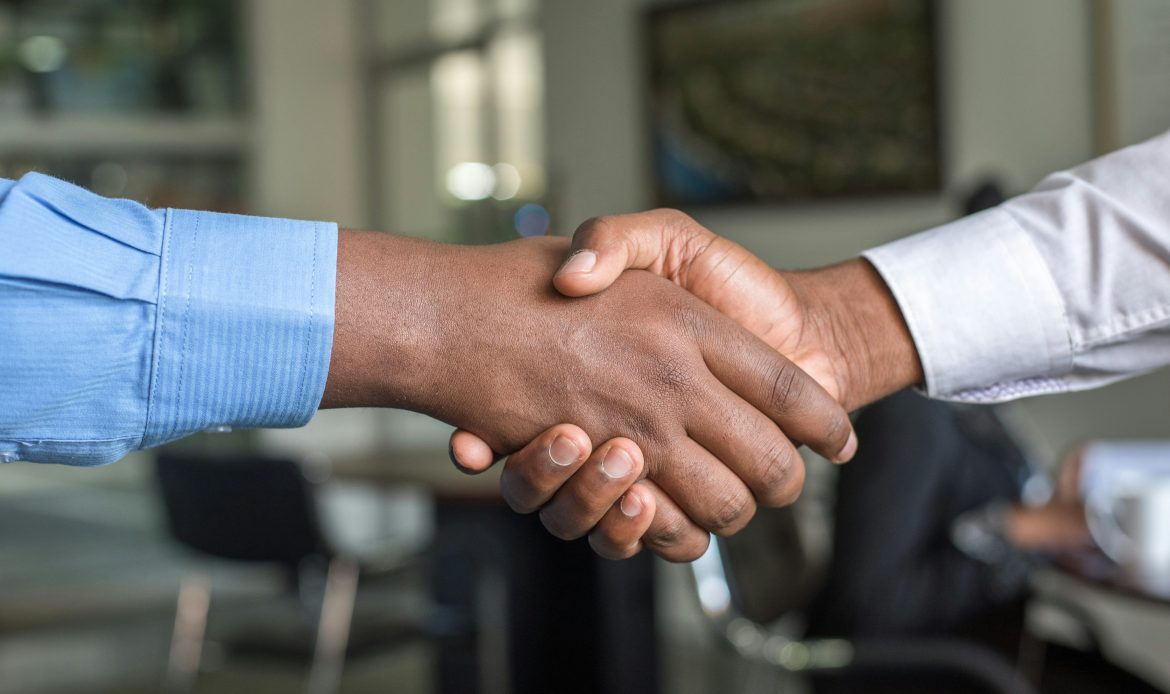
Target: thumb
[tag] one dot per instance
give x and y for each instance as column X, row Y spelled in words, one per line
column 470, row 453
column 604, row 247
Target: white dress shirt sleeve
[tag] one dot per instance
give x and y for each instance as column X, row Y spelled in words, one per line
column 1064, row 288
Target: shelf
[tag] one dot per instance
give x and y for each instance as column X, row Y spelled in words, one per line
column 78, row 135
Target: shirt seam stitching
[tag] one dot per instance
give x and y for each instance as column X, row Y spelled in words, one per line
column 38, row 440
column 159, row 323
column 1124, row 325
column 187, row 316
column 312, row 315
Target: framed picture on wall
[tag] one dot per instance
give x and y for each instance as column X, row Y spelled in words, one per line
column 772, row 101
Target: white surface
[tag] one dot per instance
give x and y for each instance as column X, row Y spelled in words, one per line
column 1133, row 632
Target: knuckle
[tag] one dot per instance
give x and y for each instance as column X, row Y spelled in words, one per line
column 787, row 388
column 594, row 229
column 521, row 495
column 691, row 318
column 673, row 376
column 774, row 479
column 691, row 551
column 557, row 526
column 593, row 503
column 607, row 548
column 731, row 514
column 669, row 534
column 676, row 218
column 520, row 506
column 837, row 430
column 788, row 492
column 649, row 430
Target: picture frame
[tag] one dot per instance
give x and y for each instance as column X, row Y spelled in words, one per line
column 783, row 101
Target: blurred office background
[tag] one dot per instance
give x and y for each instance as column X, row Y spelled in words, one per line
column 476, row 121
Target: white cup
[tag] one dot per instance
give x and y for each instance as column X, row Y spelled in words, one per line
column 1105, row 464
column 1130, row 521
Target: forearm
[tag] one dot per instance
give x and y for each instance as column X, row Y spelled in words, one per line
column 860, row 325
column 417, row 322
column 445, row 330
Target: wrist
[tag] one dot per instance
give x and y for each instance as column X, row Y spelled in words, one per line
column 385, row 331
column 852, row 315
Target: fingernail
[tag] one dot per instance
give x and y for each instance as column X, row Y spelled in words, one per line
column 563, row 452
column 580, row 262
column 847, row 452
column 455, row 460
column 617, row 463
column 631, row 505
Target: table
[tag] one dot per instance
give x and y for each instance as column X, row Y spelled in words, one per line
column 1085, row 604
column 1095, row 569
column 549, row 616
column 430, row 468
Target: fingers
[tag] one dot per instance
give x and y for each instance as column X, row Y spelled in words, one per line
column 672, row 535
column 594, row 489
column 714, row 497
column 775, row 386
column 753, row 448
column 533, row 474
column 619, row 533
column 598, row 489
column 660, row 525
column 603, row 247
column 469, row 452
column 597, row 494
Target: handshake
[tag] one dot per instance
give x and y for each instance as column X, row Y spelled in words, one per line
column 696, row 368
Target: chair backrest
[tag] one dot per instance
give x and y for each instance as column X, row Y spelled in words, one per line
column 247, row 508
column 759, row 575
column 769, row 570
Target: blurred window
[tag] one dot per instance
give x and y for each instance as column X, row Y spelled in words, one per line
column 458, row 115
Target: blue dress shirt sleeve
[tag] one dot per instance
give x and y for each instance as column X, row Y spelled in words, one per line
column 123, row 327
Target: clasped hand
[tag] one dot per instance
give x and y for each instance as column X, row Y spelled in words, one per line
column 723, row 407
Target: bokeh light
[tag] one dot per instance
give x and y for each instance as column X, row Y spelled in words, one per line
column 471, row 180
column 43, row 53
column 109, row 178
column 507, row 181
column 532, row 220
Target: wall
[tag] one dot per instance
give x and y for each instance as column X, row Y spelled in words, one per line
column 1016, row 98
column 306, row 110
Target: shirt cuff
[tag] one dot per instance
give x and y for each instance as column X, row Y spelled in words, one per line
column 983, row 309
column 244, row 323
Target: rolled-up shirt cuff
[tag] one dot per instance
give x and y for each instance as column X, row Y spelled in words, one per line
column 982, row 307
column 244, row 326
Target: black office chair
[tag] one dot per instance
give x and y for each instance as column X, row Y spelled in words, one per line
column 748, row 585
column 263, row 510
